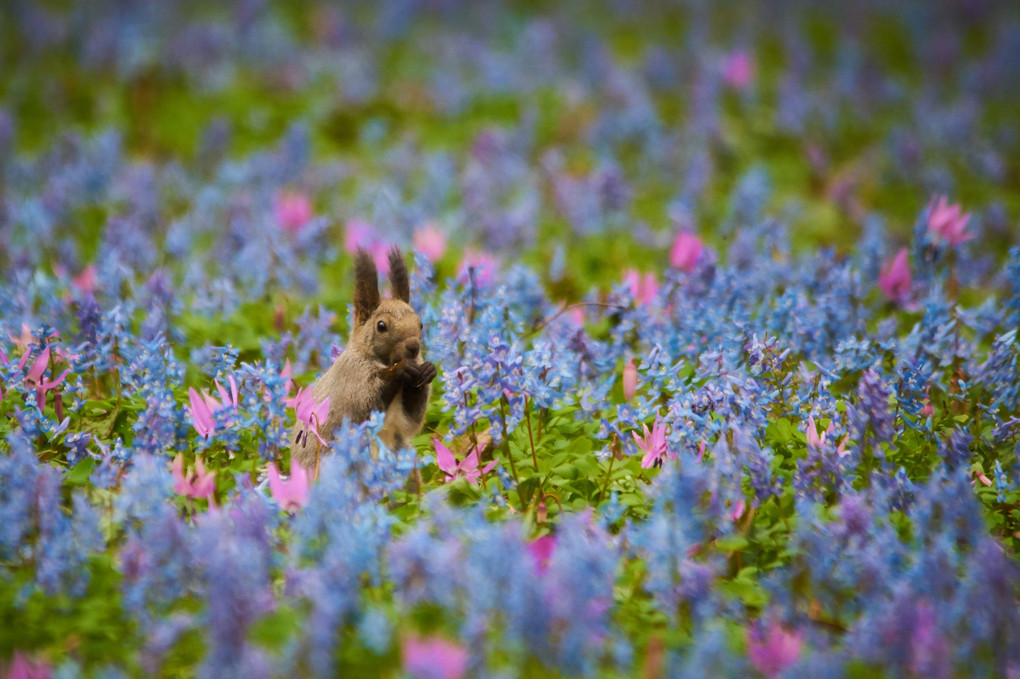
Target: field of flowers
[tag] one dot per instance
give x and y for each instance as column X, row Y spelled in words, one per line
column 723, row 298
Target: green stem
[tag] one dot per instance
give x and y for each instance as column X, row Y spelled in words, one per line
column 505, row 445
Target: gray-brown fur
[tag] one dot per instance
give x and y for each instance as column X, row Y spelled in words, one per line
column 380, row 369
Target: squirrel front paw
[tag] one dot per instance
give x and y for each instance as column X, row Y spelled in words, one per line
column 426, row 373
column 416, row 375
column 421, row 374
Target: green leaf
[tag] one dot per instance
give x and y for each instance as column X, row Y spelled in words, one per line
column 79, row 475
column 275, row 629
column 731, row 543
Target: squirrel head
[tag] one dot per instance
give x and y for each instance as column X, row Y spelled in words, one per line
column 386, row 329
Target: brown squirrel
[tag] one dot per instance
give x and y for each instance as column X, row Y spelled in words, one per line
column 381, row 369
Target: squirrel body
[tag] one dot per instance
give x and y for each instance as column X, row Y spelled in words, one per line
column 380, row 369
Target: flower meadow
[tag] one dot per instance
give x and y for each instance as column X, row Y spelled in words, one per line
column 723, row 297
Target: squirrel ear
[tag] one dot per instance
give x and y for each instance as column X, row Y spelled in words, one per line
column 399, row 280
column 366, row 286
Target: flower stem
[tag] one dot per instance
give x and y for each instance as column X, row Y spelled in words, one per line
column 505, row 445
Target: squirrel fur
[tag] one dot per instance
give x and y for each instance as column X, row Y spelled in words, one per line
column 380, row 369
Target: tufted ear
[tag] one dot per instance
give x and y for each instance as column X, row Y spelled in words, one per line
column 399, row 280
column 366, row 286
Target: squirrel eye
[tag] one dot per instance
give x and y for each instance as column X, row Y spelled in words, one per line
column 381, row 326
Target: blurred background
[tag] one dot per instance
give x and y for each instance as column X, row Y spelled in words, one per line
column 586, row 134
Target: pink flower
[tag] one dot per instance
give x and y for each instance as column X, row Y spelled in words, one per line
column 309, row 411
column 358, row 234
column 738, row 509
column 86, row 280
column 292, row 210
column 34, row 375
column 24, row 339
column 654, row 444
column 894, row 278
column 23, row 668
column 774, row 651
column 541, row 550
column 433, row 658
column 197, row 484
column 685, row 251
column 467, row 469
column 738, row 69
column 291, row 494
column 577, row 315
column 430, row 241
column 820, row 442
column 642, row 288
column 629, row 380
column 482, row 264
column 948, row 222
column 226, row 399
column 201, row 411
column 286, row 373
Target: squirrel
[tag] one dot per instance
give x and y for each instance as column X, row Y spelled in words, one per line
column 381, row 369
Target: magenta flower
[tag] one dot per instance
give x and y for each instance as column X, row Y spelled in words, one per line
column 894, row 278
column 309, row 411
column 630, row 380
column 291, row 494
column 738, row 70
column 774, row 651
column 642, row 288
column 433, row 658
column 654, row 444
column 292, row 210
column 685, row 251
column 467, row 469
column 948, row 222
column 541, row 550
column 430, row 241
column 197, row 483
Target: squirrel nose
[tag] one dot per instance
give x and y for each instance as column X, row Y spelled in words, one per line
column 412, row 346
